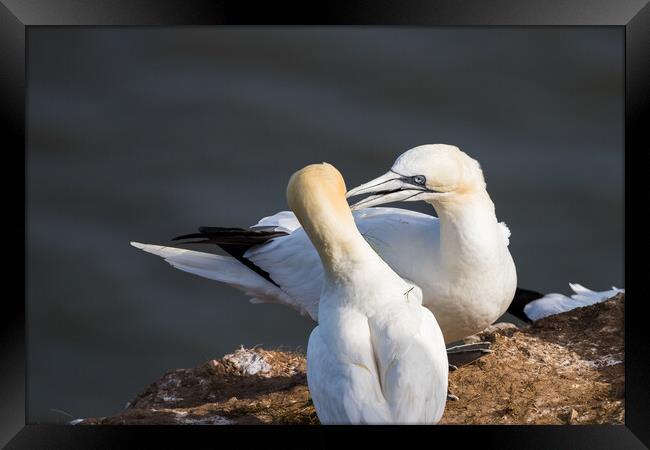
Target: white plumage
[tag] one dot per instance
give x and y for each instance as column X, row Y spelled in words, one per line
column 459, row 260
column 377, row 355
column 221, row 268
column 388, row 368
column 554, row 303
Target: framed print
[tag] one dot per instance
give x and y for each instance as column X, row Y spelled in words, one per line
column 483, row 148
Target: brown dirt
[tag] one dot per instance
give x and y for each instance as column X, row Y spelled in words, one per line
column 564, row 369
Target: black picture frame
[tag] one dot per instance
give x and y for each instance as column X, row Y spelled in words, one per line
column 17, row 17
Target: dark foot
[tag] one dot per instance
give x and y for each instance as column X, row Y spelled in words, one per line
column 460, row 355
column 483, row 347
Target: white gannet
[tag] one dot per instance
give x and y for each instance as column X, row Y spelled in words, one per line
column 377, row 355
column 459, row 259
column 554, row 303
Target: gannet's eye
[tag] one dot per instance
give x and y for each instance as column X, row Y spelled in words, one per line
column 419, row 179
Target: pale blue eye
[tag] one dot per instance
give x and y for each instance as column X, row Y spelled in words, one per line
column 419, row 179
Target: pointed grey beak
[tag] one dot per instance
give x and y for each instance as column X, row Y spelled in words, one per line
column 387, row 188
column 386, row 182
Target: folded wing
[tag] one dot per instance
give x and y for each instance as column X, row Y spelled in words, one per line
column 413, row 363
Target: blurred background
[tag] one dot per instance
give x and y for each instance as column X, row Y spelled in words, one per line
column 146, row 133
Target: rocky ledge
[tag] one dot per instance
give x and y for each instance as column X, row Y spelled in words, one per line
column 564, row 369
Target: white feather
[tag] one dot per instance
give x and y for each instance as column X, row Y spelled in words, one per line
column 554, row 303
column 345, row 393
column 282, row 221
column 220, row 268
column 506, row 232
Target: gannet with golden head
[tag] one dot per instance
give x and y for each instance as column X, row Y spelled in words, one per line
column 377, row 355
column 459, row 259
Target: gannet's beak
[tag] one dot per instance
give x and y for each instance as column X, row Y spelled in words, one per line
column 390, row 187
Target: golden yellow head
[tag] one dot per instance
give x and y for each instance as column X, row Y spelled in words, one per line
column 316, row 194
column 316, row 185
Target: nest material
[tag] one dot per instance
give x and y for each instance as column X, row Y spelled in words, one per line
column 564, row 369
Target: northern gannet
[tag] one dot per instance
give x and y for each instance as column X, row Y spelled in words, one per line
column 377, row 355
column 459, row 259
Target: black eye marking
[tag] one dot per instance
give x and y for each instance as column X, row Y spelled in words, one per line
column 416, row 180
column 419, row 179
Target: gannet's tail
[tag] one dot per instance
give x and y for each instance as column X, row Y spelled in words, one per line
column 551, row 304
column 220, row 268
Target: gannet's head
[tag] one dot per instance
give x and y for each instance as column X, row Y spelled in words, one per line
column 429, row 172
column 316, row 190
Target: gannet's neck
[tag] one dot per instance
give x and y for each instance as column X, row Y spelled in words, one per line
column 469, row 230
column 316, row 194
column 338, row 242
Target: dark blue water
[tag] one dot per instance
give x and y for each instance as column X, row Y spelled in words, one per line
column 144, row 134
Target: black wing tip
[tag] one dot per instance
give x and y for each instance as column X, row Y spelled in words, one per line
column 208, row 232
column 242, row 236
column 521, row 299
column 188, row 236
column 235, row 241
column 528, row 294
column 223, row 230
